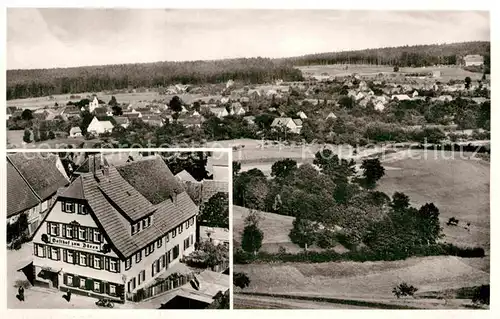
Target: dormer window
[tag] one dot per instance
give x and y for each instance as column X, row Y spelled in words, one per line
column 82, row 210
column 135, row 229
column 67, row 207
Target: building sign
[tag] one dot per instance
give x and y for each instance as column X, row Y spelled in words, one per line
column 75, row 244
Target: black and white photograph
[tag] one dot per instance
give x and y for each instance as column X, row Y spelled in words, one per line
column 342, row 158
column 125, row 230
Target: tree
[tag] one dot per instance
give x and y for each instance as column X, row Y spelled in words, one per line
column 27, row 136
column 330, row 164
column 27, row 115
column 51, row 135
column 282, row 169
column 236, row 169
column 346, row 102
column 428, row 223
column 113, row 101
column 373, row 171
column 482, row 295
column 252, row 236
column 215, row 212
column 252, row 239
column 403, row 290
column 175, row 104
column 396, row 68
column 221, row 301
column 400, row 201
column 241, row 280
column 467, row 82
column 303, row 232
column 117, row 110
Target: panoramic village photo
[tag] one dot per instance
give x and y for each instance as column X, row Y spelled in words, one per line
column 127, row 230
column 360, row 166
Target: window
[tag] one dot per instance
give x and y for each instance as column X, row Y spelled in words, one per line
column 141, row 277
column 39, row 250
column 82, row 210
column 134, row 229
column 149, row 220
column 54, row 253
column 112, row 265
column 176, row 252
column 82, row 234
column 144, row 223
column 69, row 280
column 97, row 262
column 186, row 224
column 174, row 233
column 69, row 231
column 82, row 282
column 54, row 229
column 83, row 259
column 138, row 257
column 97, row 286
column 70, row 208
column 167, row 239
column 133, row 283
column 97, row 236
column 150, row 249
column 159, row 243
column 112, row 289
column 191, row 241
column 186, row 243
column 169, row 256
column 128, row 263
column 191, row 221
column 69, row 258
column 63, row 206
column 180, row 229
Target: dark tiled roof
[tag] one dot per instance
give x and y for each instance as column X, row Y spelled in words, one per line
column 152, row 178
column 89, row 163
column 40, row 171
column 210, row 187
column 167, row 214
column 19, row 196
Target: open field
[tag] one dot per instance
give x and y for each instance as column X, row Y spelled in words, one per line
column 447, row 73
column 368, row 281
column 15, row 141
column 62, row 99
column 458, row 187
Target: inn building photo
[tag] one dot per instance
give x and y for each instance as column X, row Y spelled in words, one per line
column 125, row 231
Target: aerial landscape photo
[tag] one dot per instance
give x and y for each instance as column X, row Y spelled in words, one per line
column 360, row 139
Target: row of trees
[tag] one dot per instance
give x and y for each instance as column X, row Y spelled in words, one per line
column 403, row 56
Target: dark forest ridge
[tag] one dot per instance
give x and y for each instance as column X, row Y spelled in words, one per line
column 44, row 82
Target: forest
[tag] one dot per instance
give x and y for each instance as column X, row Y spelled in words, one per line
column 404, row 56
column 45, row 82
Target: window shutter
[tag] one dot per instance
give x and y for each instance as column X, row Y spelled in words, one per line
column 101, row 287
column 76, row 281
column 152, row 270
column 106, row 263
column 49, row 252
column 64, row 231
column 76, row 257
column 65, row 255
column 65, row 279
column 48, row 228
column 118, row 262
column 88, row 234
column 90, row 261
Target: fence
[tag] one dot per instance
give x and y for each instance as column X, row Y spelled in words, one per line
column 221, row 267
column 169, row 283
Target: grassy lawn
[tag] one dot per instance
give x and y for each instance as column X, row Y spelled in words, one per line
column 458, row 187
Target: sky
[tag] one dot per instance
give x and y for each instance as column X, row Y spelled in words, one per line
column 49, row 38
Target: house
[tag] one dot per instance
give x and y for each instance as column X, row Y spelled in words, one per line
column 293, row 125
column 331, row 116
column 400, row 97
column 132, row 115
column 218, row 166
column 415, row 94
column 379, row 106
column 102, row 111
column 123, row 121
column 473, row 59
column 193, row 121
column 153, row 120
column 32, row 182
column 220, row 112
column 70, row 111
column 115, row 230
column 229, row 84
column 237, row 109
column 224, row 100
column 185, row 176
column 97, row 127
column 75, row 131
column 93, row 104
column 249, row 119
column 302, row 115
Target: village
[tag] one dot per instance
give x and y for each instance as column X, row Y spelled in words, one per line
column 322, row 107
column 93, row 230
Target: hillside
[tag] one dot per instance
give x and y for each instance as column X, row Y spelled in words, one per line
column 44, row 82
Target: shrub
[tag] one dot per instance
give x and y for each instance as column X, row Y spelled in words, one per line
column 403, row 290
column 482, row 295
column 452, row 222
column 241, row 280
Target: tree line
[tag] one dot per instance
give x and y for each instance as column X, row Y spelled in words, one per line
column 405, row 56
column 45, row 82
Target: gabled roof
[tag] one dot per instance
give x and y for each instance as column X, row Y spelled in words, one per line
column 120, row 120
column 281, row 121
column 185, row 176
column 39, row 171
column 152, row 178
column 20, row 196
column 210, row 187
column 297, row 122
column 99, row 189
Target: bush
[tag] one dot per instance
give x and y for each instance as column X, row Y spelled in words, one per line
column 241, row 280
column 242, row 257
column 403, row 290
column 482, row 295
column 452, row 222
